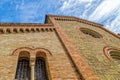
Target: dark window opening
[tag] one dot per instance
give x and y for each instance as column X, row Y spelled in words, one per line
column 40, row 69
column 27, row 30
column 23, row 69
column 15, row 30
column 115, row 54
column 1, row 31
column 21, row 30
column 37, row 30
column 32, row 30
column 42, row 29
column 91, row 33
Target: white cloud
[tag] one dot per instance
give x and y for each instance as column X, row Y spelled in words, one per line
column 72, row 3
column 106, row 8
column 100, row 11
column 106, row 12
column 114, row 25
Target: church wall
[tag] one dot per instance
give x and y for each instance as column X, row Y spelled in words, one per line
column 60, row 66
column 92, row 48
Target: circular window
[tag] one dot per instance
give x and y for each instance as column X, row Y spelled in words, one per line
column 112, row 53
column 115, row 54
column 91, row 33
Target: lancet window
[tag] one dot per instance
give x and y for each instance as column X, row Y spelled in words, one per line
column 23, row 68
column 40, row 69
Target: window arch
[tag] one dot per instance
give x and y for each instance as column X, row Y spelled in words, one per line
column 23, row 68
column 1, row 31
column 37, row 29
column 27, row 30
column 15, row 30
column 21, row 30
column 28, row 59
column 91, row 32
column 113, row 54
column 40, row 67
column 32, row 29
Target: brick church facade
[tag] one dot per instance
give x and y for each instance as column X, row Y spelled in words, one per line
column 64, row 48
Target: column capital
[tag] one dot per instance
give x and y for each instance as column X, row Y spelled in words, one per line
column 32, row 61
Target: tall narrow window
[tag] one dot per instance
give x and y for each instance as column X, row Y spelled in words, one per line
column 40, row 69
column 23, row 69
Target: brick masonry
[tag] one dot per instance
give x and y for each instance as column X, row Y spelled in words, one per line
column 91, row 48
column 72, row 54
column 59, row 63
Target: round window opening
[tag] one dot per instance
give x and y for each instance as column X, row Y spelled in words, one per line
column 91, row 33
column 115, row 54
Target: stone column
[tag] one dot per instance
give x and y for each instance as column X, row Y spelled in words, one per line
column 32, row 65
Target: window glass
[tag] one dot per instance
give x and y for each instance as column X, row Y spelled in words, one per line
column 115, row 54
column 90, row 32
column 23, row 69
column 40, row 69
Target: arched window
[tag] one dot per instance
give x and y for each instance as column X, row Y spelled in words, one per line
column 32, row 29
column 1, row 31
column 91, row 33
column 21, row 30
column 112, row 53
column 15, row 30
column 23, row 68
column 40, row 68
column 27, row 30
column 37, row 29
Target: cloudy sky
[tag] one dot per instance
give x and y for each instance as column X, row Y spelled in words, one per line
column 106, row 12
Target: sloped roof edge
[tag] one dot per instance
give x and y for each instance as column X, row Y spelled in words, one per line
column 86, row 22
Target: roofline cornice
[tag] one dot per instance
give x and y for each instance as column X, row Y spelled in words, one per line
column 24, row 24
column 74, row 18
column 71, row 18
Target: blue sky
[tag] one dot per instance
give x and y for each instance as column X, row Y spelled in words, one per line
column 106, row 12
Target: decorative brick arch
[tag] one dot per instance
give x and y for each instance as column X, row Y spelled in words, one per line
column 31, row 55
column 31, row 51
column 107, row 49
column 40, row 52
column 18, row 50
column 43, row 50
